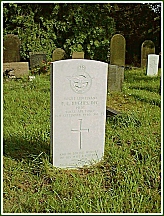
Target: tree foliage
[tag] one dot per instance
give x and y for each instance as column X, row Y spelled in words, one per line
column 84, row 27
column 137, row 22
column 73, row 27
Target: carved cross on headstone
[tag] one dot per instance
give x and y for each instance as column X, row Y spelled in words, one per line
column 80, row 130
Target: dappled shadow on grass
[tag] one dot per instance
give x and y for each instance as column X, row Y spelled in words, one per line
column 124, row 120
column 135, row 77
column 146, row 88
column 19, row 148
column 148, row 98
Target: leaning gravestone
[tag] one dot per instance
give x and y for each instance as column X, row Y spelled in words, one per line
column 78, row 55
column 115, row 78
column 117, row 50
column 11, row 48
column 78, row 112
column 147, row 48
column 36, row 59
column 58, row 54
column 152, row 66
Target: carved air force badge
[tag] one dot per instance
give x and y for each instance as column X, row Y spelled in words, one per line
column 80, row 81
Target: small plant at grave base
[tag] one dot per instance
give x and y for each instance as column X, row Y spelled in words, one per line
column 43, row 68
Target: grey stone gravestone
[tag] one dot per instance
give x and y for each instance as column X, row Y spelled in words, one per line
column 36, row 59
column 58, row 54
column 19, row 68
column 78, row 112
column 117, row 50
column 115, row 78
column 147, row 48
column 152, row 66
column 11, row 48
column 78, row 55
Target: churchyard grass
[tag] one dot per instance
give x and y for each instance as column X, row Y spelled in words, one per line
column 127, row 180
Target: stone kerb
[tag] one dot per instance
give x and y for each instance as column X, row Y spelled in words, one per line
column 147, row 48
column 11, row 48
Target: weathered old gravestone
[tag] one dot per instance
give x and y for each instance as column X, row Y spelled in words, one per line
column 147, row 48
column 58, row 54
column 78, row 112
column 115, row 78
column 117, row 50
column 19, row 69
column 78, row 55
column 152, row 66
column 36, row 59
column 11, row 48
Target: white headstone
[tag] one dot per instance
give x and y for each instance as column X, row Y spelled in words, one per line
column 78, row 112
column 152, row 66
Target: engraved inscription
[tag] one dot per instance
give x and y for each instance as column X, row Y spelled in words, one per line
column 79, row 106
column 78, row 158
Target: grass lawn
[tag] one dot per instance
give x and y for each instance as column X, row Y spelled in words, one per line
column 127, row 180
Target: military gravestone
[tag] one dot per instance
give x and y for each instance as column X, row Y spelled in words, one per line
column 11, row 48
column 36, row 59
column 58, row 54
column 117, row 50
column 78, row 112
column 152, row 66
column 147, row 48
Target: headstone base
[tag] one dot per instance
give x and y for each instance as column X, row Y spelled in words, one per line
column 115, row 78
column 111, row 112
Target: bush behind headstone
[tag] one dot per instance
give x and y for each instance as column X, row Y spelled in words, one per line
column 66, row 26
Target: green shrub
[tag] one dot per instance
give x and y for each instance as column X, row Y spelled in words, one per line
column 42, row 69
column 72, row 27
